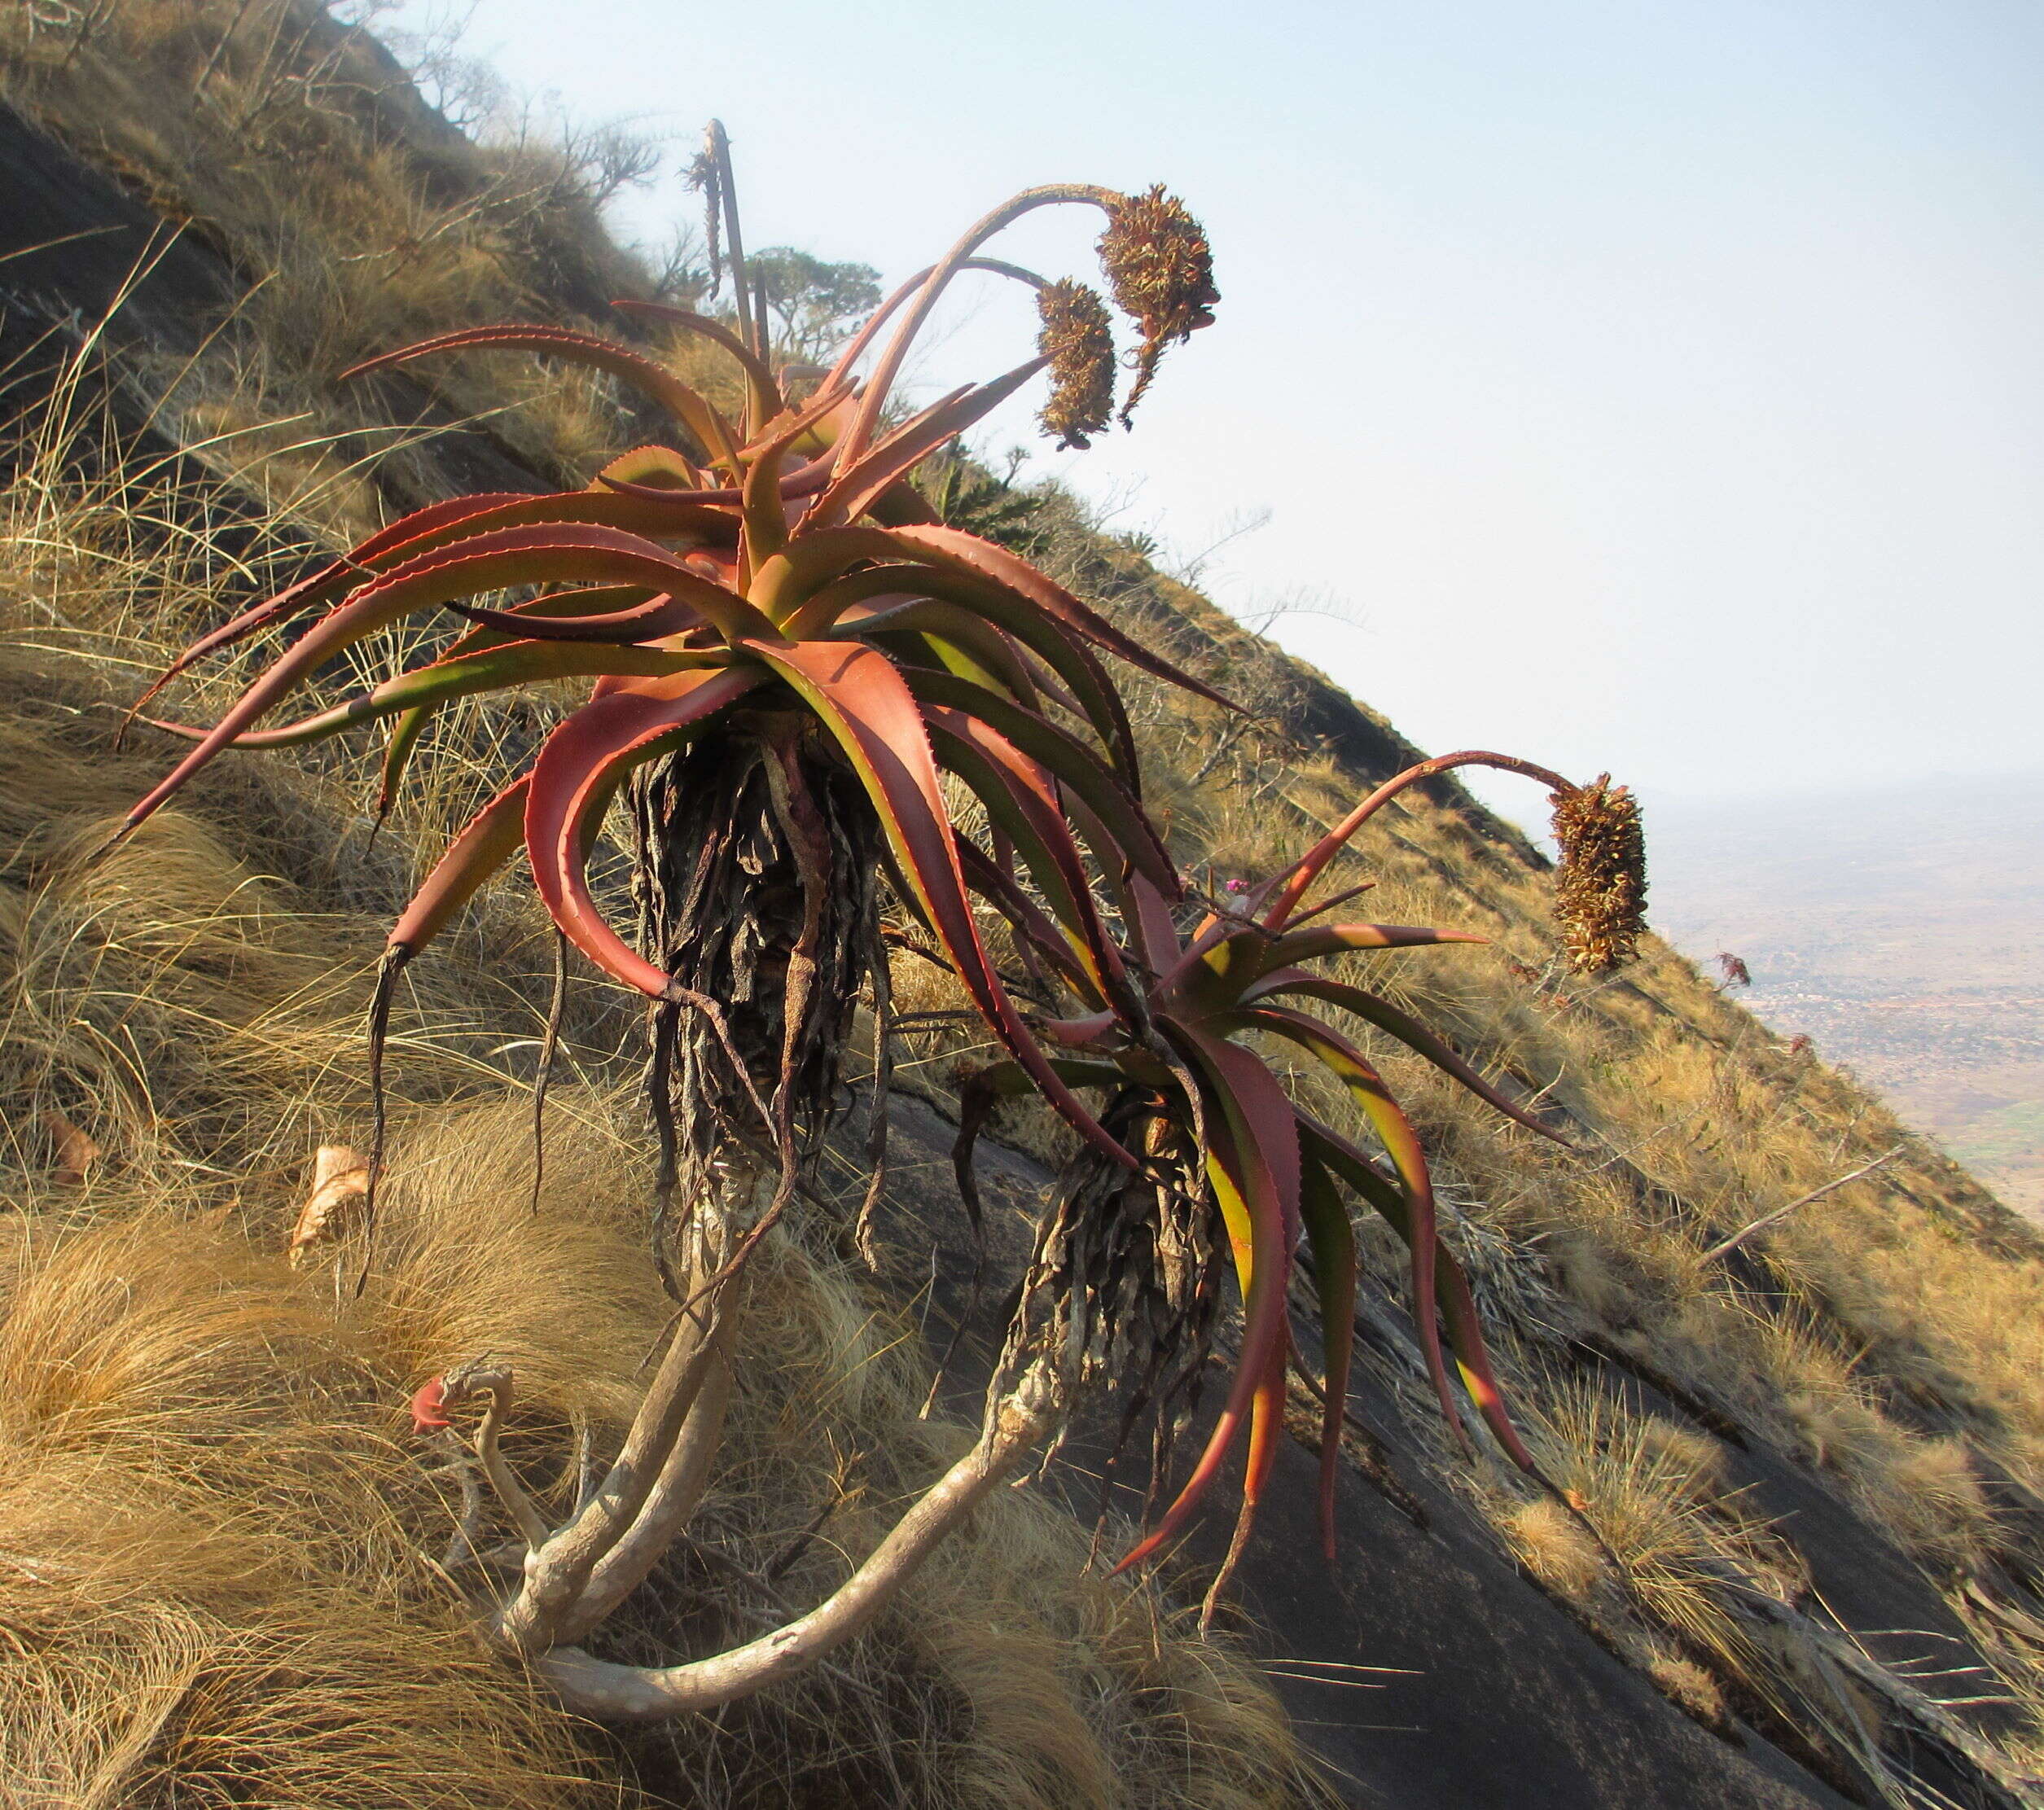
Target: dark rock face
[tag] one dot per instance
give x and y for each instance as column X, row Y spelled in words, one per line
column 80, row 256
column 1487, row 1694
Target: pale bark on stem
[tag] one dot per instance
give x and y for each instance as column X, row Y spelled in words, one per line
column 860, row 434
column 665, row 1513
column 612, row 1692
column 493, row 1383
column 1330, row 845
column 557, row 1569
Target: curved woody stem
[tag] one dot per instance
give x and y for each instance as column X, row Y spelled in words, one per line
column 613, row 1692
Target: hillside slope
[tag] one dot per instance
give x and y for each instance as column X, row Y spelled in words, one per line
column 1800, row 1558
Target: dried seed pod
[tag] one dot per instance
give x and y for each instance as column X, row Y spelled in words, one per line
column 1600, row 892
column 1077, row 337
column 1161, row 270
column 339, row 1181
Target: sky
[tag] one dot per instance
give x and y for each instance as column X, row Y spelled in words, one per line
column 1655, row 388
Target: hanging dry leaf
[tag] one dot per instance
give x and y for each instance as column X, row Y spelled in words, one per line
column 340, row 1179
column 76, row 1152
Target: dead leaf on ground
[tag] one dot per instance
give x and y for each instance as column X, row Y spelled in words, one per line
column 340, row 1179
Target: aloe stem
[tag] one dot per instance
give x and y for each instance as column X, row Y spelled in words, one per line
column 1050, row 194
column 612, row 1692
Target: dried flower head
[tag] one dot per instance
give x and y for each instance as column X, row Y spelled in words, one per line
column 1600, row 893
column 1161, row 270
column 1077, row 337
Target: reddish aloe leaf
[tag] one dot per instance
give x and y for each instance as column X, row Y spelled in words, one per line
column 781, row 585
column 1465, row 1332
column 1147, row 912
column 486, row 562
column 1135, row 837
column 956, row 546
column 1331, row 1241
column 590, row 600
column 322, row 588
column 488, row 839
column 1296, row 982
column 411, row 727
column 581, row 764
column 1303, row 945
column 763, row 500
column 763, row 393
column 1366, row 1088
column 656, row 468
column 806, row 479
column 856, row 489
column 1253, row 1168
column 663, row 515
column 1039, row 935
column 661, row 614
column 427, row 687
column 1064, row 651
column 865, row 703
column 692, row 410
column 1019, row 797
column 955, row 639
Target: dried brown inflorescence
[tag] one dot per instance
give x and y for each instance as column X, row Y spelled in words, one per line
column 1600, row 893
column 1077, row 337
column 1157, row 258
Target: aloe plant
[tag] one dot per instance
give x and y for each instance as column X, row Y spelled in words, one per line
column 1122, row 1285
column 787, row 652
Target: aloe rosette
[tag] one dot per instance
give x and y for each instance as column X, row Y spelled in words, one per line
column 783, row 563
column 1191, row 1085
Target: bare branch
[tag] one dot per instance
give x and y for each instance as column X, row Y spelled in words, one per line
column 613, row 1692
column 1746, row 1234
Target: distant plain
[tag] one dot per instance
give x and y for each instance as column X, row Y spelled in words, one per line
column 1902, row 930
